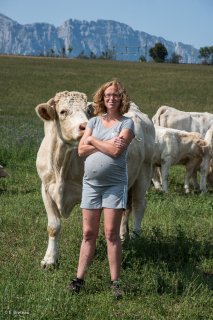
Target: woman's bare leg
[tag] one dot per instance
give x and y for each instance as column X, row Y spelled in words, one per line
column 112, row 221
column 91, row 222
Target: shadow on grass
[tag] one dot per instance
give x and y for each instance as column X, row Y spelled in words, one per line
column 176, row 250
column 163, row 263
column 179, row 253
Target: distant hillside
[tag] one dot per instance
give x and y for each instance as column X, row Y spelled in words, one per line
column 85, row 38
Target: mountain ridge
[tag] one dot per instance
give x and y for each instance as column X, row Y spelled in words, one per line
column 86, row 38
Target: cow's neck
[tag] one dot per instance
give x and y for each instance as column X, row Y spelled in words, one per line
column 59, row 153
column 62, row 157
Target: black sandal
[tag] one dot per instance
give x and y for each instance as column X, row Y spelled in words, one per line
column 76, row 285
column 117, row 292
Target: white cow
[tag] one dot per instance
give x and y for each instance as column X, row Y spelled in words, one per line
column 3, row 173
column 61, row 169
column 189, row 121
column 180, row 147
column 201, row 122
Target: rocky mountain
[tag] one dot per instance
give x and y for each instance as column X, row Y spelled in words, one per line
column 85, row 38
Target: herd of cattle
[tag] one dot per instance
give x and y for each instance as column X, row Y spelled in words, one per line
column 171, row 137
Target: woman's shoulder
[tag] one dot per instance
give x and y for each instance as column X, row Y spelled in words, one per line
column 92, row 121
column 127, row 123
column 126, row 119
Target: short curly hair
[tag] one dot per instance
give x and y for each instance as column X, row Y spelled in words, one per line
column 98, row 97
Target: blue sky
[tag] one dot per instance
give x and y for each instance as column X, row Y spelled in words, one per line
column 187, row 21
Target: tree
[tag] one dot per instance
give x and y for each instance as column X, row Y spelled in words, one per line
column 206, row 54
column 92, row 55
column 69, row 49
column 82, row 55
column 142, row 58
column 176, row 58
column 107, row 55
column 63, row 51
column 52, row 52
column 158, row 53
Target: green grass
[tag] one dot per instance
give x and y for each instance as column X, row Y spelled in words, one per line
column 167, row 271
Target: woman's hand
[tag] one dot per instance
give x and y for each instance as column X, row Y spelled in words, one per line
column 120, row 143
column 87, row 141
column 85, row 148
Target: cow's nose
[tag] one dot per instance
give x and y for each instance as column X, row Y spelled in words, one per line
column 82, row 127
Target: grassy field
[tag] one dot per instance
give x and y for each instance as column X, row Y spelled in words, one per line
column 167, row 272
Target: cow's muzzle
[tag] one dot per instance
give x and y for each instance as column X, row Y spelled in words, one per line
column 82, row 128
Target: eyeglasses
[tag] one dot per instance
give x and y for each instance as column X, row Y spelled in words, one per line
column 115, row 96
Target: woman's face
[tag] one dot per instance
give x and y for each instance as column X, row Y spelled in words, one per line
column 112, row 98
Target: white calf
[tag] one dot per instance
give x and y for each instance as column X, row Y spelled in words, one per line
column 179, row 147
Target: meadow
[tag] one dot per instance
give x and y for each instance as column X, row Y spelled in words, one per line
column 167, row 272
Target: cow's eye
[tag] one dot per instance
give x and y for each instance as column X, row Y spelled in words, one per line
column 63, row 112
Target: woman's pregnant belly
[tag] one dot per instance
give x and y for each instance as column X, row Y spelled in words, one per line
column 102, row 169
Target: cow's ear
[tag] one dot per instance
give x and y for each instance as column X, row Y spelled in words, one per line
column 46, row 111
column 202, row 143
column 90, row 110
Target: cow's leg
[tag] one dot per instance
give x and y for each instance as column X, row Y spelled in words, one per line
column 191, row 173
column 139, row 190
column 156, row 178
column 53, row 229
column 195, row 182
column 165, row 174
column 124, row 228
column 204, row 169
column 186, row 182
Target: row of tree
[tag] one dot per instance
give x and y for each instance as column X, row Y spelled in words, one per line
column 60, row 53
column 158, row 53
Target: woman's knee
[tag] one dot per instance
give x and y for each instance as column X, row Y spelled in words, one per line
column 89, row 235
column 112, row 235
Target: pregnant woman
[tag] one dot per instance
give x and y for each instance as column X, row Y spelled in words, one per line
column 105, row 183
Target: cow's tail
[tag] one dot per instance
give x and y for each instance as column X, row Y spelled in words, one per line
column 156, row 117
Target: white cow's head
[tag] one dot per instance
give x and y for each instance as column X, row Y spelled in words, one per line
column 69, row 111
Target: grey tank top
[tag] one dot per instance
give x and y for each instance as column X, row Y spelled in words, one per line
column 101, row 169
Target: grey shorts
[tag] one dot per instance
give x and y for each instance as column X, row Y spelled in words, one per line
column 98, row 197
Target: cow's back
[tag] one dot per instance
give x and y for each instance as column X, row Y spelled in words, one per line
column 189, row 121
column 172, row 118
